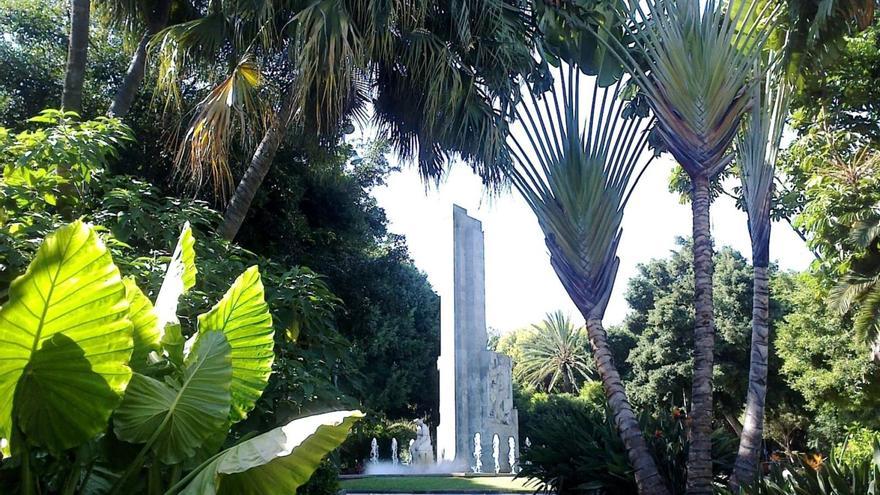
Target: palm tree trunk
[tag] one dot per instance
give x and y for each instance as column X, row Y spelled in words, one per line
column 132, row 80
column 647, row 477
column 752, row 436
column 246, row 190
column 77, row 52
column 699, row 467
column 753, row 427
column 137, row 68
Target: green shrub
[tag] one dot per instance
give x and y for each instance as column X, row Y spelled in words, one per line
column 79, row 344
column 858, row 447
column 576, row 448
column 815, row 475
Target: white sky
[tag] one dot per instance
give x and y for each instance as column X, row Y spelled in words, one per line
column 520, row 284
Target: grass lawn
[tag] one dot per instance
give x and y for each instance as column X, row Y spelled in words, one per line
column 427, row 483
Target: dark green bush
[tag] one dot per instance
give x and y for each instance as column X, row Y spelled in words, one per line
column 575, row 447
column 325, row 480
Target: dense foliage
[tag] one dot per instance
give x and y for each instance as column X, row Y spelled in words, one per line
column 80, row 344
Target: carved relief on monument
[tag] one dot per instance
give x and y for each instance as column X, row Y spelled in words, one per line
column 500, row 397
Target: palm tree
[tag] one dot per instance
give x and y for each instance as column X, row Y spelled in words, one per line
column 695, row 64
column 756, row 150
column 77, row 54
column 437, row 74
column 555, row 355
column 576, row 172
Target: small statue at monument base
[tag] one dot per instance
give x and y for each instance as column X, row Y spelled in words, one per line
column 421, row 451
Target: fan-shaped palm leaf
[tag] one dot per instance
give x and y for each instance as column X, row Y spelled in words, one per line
column 859, row 289
column 233, row 107
column 695, row 64
column 576, row 169
column 756, row 149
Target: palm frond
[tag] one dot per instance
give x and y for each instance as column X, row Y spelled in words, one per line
column 695, row 65
column 867, row 318
column 576, row 168
column 233, row 107
column 756, row 149
column 328, row 55
column 179, row 47
column 555, row 356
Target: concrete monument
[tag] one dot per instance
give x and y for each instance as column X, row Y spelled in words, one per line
column 476, row 398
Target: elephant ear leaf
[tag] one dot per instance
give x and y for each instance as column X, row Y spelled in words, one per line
column 276, row 462
column 180, row 276
column 243, row 316
column 147, row 334
column 65, row 343
column 176, row 417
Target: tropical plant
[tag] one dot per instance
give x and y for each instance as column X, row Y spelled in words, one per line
column 814, row 474
column 438, row 70
column 756, row 149
column 75, row 333
column 694, row 62
column 576, row 174
column 574, row 447
column 555, row 356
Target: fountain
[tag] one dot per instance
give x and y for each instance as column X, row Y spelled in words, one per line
column 374, row 451
column 511, row 454
column 393, row 451
column 478, row 453
column 496, row 453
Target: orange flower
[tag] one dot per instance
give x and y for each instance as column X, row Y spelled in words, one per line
column 676, row 412
column 815, row 461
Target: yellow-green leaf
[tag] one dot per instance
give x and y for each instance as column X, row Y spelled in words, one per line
column 65, row 343
column 243, row 316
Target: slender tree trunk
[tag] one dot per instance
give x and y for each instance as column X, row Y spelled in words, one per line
column 699, row 475
column 137, row 68
column 753, row 428
column 246, row 190
column 128, row 89
column 77, row 53
column 752, row 436
column 647, row 477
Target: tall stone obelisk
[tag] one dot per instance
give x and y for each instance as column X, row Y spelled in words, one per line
column 475, row 383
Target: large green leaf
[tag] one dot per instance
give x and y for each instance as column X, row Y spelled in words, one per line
column 243, row 316
column 276, row 462
column 147, row 333
column 65, row 342
column 177, row 416
column 180, row 276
